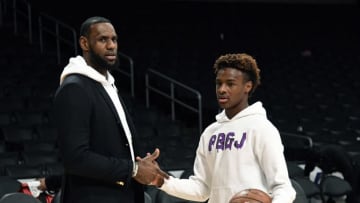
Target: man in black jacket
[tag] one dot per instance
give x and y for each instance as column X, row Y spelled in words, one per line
column 97, row 140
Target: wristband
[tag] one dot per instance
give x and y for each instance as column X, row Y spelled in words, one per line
column 135, row 169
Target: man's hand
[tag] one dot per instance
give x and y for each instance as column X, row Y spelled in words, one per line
column 149, row 172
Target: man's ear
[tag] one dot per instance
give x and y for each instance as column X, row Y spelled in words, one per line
column 84, row 43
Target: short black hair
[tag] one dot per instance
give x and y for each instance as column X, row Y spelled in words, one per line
column 85, row 26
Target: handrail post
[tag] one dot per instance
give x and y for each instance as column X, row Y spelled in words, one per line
column 29, row 23
column 171, row 95
column 27, row 14
column 131, row 72
column 132, row 78
column 172, row 101
column 57, row 43
column 15, row 17
column 1, row 13
column 41, row 43
column 75, row 42
column 147, row 99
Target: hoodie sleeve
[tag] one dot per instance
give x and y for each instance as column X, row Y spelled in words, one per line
column 269, row 150
column 195, row 188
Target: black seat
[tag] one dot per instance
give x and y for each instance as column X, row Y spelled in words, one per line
column 296, row 147
column 294, row 169
column 24, row 171
column 2, row 146
column 300, row 193
column 57, row 197
column 152, row 191
column 40, row 157
column 46, row 133
column 147, row 197
column 18, row 197
column 333, row 187
column 43, row 146
column 16, row 136
column 31, row 118
column 311, row 189
column 8, row 159
column 8, row 104
column 187, row 173
column 54, row 169
column 9, row 185
column 6, row 119
column 39, row 103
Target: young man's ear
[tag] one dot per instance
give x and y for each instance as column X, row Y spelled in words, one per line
column 248, row 86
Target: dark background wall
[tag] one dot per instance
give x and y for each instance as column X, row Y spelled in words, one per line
column 183, row 38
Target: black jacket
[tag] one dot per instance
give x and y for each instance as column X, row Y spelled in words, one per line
column 93, row 145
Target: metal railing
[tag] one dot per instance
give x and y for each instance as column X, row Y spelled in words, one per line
column 53, row 27
column 2, row 11
column 130, row 73
column 171, row 96
column 296, row 140
column 26, row 13
column 21, row 11
column 48, row 26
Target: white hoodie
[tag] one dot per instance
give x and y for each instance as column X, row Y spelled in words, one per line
column 78, row 65
column 235, row 154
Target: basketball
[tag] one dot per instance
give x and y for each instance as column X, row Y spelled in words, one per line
column 251, row 196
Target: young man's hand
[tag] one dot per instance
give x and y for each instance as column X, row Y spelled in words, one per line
column 149, row 172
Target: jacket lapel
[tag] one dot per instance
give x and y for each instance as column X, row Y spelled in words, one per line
column 108, row 100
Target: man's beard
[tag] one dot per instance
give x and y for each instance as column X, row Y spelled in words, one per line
column 100, row 63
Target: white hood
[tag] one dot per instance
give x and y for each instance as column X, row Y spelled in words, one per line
column 254, row 109
column 78, row 65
